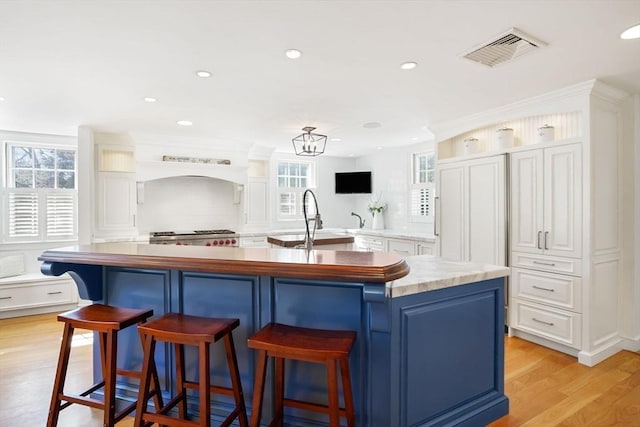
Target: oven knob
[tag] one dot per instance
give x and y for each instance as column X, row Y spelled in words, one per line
column 233, row 241
column 208, row 244
column 215, row 243
column 178, row 243
column 227, row 242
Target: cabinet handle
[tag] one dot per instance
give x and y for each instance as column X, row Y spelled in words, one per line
column 54, row 293
column 539, row 236
column 544, row 289
column 550, row 264
column 542, row 321
column 5, row 298
column 435, row 216
column 546, row 238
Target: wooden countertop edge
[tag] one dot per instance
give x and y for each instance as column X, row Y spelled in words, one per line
column 347, row 273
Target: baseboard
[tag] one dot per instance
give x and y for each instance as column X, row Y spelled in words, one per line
column 630, row 344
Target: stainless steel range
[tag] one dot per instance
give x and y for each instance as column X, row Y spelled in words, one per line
column 196, row 238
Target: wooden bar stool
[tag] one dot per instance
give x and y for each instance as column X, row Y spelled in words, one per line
column 106, row 321
column 310, row 345
column 181, row 330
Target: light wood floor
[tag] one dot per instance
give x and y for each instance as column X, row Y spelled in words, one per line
column 545, row 388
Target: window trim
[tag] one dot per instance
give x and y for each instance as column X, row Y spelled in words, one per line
column 45, row 197
column 298, row 191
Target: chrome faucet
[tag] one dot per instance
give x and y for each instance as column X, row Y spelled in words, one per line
column 317, row 220
column 361, row 221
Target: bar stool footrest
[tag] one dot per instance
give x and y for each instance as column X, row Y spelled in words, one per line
column 300, row 404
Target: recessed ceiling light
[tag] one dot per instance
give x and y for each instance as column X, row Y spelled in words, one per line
column 293, row 53
column 335, row 139
column 184, row 123
column 631, row 33
column 379, row 148
column 203, row 73
column 150, row 99
column 1, row 98
column 408, row 65
column 371, row 125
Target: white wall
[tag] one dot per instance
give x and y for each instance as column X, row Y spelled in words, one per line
column 187, row 203
column 391, row 176
column 335, row 208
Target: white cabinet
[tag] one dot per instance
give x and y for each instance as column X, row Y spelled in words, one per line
column 369, row 243
column 116, row 192
column 471, row 210
column 20, row 298
column 425, row 248
column 546, row 201
column 257, row 198
column 253, row 242
column 116, row 203
column 401, row 247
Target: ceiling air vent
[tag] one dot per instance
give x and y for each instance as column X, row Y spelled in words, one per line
column 505, row 47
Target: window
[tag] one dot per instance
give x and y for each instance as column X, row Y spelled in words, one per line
column 293, row 179
column 40, row 198
column 422, row 186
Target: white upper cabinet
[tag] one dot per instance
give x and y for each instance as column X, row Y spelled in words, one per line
column 546, row 201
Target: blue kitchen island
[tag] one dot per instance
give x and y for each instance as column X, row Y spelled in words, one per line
column 429, row 348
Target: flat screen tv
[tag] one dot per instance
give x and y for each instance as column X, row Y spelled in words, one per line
column 353, row 182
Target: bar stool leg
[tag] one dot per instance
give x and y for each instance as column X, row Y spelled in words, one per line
column 348, row 392
column 205, row 385
column 61, row 375
column 278, row 418
column 181, row 390
column 149, row 345
column 334, row 406
column 110, row 379
column 234, row 373
column 258, row 390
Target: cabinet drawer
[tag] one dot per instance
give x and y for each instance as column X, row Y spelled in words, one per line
column 368, row 244
column 557, row 325
column 547, row 263
column 258, row 241
column 401, row 247
column 547, row 288
column 38, row 294
column 426, row 249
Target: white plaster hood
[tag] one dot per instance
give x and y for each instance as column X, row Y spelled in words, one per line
column 150, row 170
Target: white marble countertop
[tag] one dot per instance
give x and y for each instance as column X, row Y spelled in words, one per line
column 429, row 273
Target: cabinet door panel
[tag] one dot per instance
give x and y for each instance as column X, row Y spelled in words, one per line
column 527, row 201
column 563, row 201
column 451, row 213
column 486, row 194
column 117, row 195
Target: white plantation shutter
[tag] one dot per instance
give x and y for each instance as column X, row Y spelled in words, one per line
column 61, row 208
column 23, row 221
column 420, row 202
column 36, row 215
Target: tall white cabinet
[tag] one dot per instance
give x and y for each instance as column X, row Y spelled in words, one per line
column 570, row 286
column 471, row 210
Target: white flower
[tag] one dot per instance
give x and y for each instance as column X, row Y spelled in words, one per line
column 377, row 205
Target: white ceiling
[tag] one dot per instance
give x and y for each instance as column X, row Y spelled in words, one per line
column 65, row 64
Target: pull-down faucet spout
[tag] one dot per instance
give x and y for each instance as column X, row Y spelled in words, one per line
column 361, row 221
column 317, row 220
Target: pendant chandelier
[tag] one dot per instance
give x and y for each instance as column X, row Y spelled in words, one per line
column 309, row 144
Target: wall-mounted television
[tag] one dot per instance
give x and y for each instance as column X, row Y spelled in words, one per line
column 353, row 182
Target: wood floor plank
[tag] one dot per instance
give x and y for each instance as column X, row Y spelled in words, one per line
column 545, row 387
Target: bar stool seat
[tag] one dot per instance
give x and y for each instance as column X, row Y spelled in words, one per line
column 106, row 321
column 309, row 345
column 181, row 330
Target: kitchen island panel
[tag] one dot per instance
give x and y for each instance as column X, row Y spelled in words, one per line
column 323, row 305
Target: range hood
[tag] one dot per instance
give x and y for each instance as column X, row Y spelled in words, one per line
column 150, row 170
